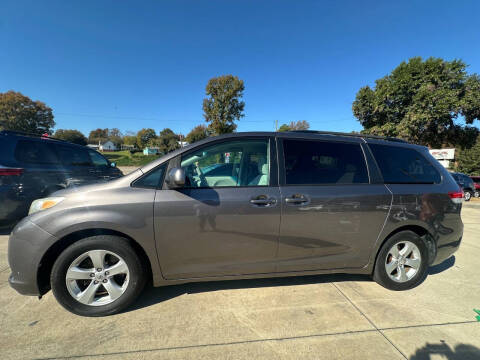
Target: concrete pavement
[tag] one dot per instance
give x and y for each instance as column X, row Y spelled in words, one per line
column 313, row 317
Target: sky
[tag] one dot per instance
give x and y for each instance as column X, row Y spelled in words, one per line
column 138, row 64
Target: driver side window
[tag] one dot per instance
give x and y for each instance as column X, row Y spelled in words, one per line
column 227, row 164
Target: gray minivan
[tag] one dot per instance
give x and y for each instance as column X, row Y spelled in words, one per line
column 243, row 205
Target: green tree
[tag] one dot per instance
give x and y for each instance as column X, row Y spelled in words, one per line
column 74, row 136
column 115, row 136
column 420, row 101
column 284, row 127
column 144, row 137
column 98, row 136
column 18, row 112
column 468, row 160
column 130, row 140
column 223, row 106
column 198, row 133
column 295, row 125
column 167, row 141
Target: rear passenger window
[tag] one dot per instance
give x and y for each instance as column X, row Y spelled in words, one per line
column 401, row 165
column 72, row 156
column 318, row 162
column 36, row 152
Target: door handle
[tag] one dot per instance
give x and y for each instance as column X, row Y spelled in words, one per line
column 262, row 200
column 297, row 199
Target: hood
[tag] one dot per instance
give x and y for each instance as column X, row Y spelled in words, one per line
column 85, row 187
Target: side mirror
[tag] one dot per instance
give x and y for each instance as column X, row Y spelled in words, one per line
column 112, row 164
column 175, row 178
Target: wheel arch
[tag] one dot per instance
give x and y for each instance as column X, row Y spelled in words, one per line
column 421, row 231
column 51, row 255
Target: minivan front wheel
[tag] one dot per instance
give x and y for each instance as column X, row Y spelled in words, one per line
column 97, row 276
column 402, row 262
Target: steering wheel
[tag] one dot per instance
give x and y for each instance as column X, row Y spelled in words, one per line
column 201, row 176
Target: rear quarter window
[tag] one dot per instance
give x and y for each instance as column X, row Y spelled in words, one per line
column 35, row 152
column 401, row 165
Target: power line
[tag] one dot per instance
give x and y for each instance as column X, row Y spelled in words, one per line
column 320, row 122
column 136, row 117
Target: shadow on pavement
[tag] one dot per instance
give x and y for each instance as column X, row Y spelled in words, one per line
column 444, row 351
column 154, row 295
column 446, row 264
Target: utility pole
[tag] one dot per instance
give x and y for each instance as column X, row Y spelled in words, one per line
column 276, row 125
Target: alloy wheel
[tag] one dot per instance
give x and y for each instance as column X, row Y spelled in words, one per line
column 97, row 277
column 403, row 261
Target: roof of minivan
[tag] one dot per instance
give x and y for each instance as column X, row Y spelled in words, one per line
column 304, row 134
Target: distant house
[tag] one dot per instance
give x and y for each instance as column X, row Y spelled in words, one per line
column 127, row 147
column 107, row 146
column 93, row 146
column 151, row 150
column 182, row 143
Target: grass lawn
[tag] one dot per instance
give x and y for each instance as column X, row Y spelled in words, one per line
column 124, row 158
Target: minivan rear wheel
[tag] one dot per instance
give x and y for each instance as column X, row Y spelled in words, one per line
column 402, row 262
column 97, row 276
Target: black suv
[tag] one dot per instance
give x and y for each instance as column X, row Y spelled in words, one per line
column 466, row 183
column 32, row 167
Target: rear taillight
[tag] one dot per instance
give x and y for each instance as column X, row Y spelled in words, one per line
column 11, row 171
column 457, row 196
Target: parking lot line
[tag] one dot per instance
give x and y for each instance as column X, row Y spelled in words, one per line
column 369, row 320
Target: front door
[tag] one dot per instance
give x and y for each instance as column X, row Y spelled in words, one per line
column 331, row 214
column 225, row 221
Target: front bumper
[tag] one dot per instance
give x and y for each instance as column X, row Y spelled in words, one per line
column 26, row 246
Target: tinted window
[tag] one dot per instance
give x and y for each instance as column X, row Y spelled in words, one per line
column 72, row 156
column 467, row 180
column 232, row 163
column 38, row 152
column 318, row 162
column 401, row 165
column 152, row 179
column 97, row 159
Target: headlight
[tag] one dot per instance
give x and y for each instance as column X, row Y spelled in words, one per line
column 44, row 204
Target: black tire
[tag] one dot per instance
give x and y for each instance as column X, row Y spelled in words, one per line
column 380, row 273
column 468, row 195
column 476, row 194
column 114, row 244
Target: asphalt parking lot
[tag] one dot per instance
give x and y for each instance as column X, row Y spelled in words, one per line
column 314, row 317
